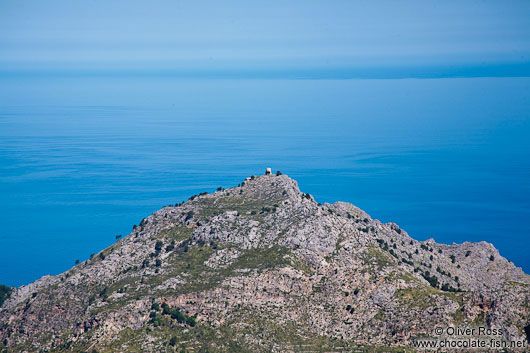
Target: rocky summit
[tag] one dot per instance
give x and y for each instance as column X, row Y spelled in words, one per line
column 263, row 267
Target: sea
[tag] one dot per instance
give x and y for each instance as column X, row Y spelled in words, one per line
column 85, row 157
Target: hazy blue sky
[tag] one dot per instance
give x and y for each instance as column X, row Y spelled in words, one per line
column 261, row 34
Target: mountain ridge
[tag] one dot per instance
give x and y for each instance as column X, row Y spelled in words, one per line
column 197, row 275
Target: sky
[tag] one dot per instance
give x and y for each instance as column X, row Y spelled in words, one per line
column 262, row 35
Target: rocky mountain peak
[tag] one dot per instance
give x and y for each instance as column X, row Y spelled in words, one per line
column 264, row 267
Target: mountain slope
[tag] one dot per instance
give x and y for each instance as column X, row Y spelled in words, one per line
column 263, row 267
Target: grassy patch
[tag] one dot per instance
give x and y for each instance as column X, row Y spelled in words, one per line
column 416, row 297
column 178, row 234
column 257, row 206
column 424, row 296
column 377, row 257
column 262, row 258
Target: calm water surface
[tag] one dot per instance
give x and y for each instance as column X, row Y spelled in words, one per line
column 83, row 159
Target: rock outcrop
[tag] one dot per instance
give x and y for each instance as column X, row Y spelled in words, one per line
column 262, row 267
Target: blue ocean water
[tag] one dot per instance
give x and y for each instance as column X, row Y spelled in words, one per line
column 82, row 158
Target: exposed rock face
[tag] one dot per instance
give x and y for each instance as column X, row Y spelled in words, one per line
column 263, row 267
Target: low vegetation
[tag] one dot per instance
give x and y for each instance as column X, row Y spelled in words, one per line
column 5, row 293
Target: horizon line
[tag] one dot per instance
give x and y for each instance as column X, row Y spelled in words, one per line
column 520, row 69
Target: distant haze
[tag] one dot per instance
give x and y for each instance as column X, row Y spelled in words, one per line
column 462, row 37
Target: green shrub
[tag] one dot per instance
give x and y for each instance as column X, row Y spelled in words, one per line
column 5, row 293
column 155, row 319
column 407, row 261
column 433, row 281
column 173, row 341
column 171, row 246
column 176, row 314
column 191, row 321
column 447, row 288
